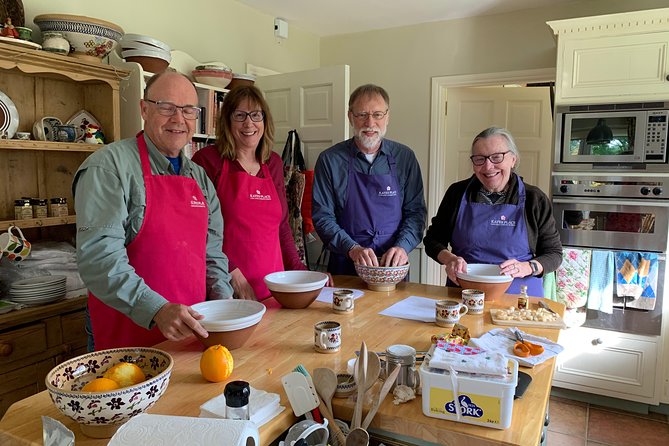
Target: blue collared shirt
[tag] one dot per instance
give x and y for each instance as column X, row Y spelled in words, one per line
column 331, row 190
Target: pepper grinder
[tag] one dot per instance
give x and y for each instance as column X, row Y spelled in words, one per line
column 237, row 400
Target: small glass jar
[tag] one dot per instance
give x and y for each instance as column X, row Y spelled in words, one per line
column 522, row 298
column 237, row 400
column 58, row 207
column 40, row 208
column 22, row 209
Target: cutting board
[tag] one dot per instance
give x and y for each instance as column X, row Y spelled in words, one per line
column 558, row 323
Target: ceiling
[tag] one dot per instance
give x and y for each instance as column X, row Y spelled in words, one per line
column 330, row 17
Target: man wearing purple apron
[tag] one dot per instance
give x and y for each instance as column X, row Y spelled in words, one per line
column 495, row 218
column 368, row 204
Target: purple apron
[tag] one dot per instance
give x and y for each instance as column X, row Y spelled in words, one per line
column 372, row 214
column 494, row 233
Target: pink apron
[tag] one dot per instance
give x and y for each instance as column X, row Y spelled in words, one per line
column 168, row 253
column 251, row 216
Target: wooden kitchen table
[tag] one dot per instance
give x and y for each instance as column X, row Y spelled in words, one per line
column 284, row 339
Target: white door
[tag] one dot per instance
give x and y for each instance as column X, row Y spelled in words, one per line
column 525, row 112
column 315, row 102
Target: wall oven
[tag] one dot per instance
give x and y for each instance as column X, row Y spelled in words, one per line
column 630, row 136
column 616, row 212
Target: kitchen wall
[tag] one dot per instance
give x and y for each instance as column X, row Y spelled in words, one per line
column 403, row 60
column 209, row 30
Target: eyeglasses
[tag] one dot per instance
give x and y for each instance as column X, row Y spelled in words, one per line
column 495, row 158
column 377, row 115
column 240, row 116
column 169, row 109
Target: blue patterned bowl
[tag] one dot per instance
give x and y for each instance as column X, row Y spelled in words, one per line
column 89, row 38
column 100, row 414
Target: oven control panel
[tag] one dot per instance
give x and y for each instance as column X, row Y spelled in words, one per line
column 618, row 187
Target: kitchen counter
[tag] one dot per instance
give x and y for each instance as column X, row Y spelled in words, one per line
column 284, row 339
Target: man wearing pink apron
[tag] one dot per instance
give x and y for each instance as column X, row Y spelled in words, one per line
column 149, row 227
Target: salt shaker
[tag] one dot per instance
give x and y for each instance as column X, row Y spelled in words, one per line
column 237, row 400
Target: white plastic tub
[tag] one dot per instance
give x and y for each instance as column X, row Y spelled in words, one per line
column 484, row 400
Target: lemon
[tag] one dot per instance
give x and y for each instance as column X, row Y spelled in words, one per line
column 125, row 374
column 100, row 385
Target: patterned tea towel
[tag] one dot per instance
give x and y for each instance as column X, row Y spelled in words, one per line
column 463, row 358
column 600, row 294
column 636, row 277
column 573, row 277
column 501, row 340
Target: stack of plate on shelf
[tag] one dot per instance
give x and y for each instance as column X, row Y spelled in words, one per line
column 38, row 290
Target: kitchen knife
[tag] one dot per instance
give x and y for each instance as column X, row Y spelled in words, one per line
column 545, row 306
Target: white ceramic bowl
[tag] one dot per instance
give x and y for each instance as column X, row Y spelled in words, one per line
column 216, row 78
column 99, row 414
column 229, row 314
column 295, row 281
column 145, row 40
column 382, row 278
column 89, row 38
column 484, row 273
column 147, row 52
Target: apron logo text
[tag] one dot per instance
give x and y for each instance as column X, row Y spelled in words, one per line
column 388, row 192
column 195, row 203
column 502, row 221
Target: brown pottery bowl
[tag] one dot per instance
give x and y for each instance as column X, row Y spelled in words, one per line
column 296, row 289
column 229, row 339
column 486, row 278
column 229, row 322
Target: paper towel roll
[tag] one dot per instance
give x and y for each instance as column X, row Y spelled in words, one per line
column 160, row 430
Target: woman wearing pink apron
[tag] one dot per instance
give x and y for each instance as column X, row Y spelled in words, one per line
column 249, row 182
column 176, row 271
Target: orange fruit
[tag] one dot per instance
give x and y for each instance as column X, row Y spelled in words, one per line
column 216, row 363
column 100, row 385
column 125, row 374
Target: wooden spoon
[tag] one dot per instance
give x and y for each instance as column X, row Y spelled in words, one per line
column 325, row 381
column 390, row 380
column 357, row 437
column 361, row 381
column 373, row 370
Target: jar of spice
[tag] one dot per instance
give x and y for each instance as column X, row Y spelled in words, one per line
column 58, row 207
column 522, row 298
column 22, row 209
column 40, row 208
column 237, row 400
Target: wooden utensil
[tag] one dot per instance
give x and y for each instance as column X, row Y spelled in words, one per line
column 390, row 380
column 337, row 434
column 357, row 437
column 361, row 379
column 373, row 369
column 325, row 381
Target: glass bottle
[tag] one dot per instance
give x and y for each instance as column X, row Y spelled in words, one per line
column 522, row 298
column 237, row 400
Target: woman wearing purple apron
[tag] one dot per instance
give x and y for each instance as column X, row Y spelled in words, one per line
column 495, row 218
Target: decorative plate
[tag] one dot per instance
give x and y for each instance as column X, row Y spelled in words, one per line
column 9, row 116
column 80, row 120
column 20, row 42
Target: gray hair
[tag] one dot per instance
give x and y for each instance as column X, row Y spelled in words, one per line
column 368, row 90
column 504, row 133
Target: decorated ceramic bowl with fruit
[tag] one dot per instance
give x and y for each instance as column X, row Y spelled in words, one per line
column 104, row 389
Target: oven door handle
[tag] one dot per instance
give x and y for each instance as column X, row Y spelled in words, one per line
column 609, row 201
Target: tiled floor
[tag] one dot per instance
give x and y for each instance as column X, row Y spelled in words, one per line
column 575, row 423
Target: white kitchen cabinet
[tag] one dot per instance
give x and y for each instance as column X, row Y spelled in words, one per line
column 613, row 58
column 609, row 363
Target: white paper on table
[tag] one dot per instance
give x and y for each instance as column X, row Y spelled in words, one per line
column 413, row 307
column 502, row 341
column 326, row 294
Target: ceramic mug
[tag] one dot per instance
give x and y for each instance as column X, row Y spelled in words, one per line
column 327, row 337
column 342, row 301
column 65, row 133
column 448, row 312
column 474, row 299
column 14, row 247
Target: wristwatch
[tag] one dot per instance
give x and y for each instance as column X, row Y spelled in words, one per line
column 535, row 268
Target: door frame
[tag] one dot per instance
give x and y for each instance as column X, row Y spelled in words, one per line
column 437, row 181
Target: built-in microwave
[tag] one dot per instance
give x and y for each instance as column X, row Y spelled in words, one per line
column 612, row 136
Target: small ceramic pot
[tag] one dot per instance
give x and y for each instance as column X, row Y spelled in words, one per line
column 65, row 133
column 55, row 42
column 24, row 33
